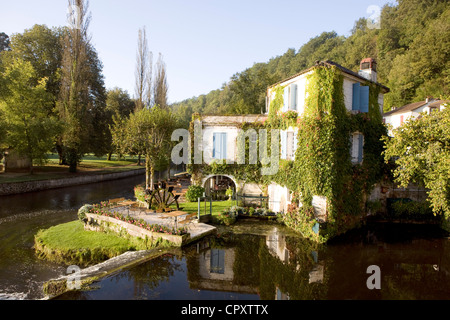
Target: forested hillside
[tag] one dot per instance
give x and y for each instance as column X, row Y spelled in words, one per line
column 412, row 49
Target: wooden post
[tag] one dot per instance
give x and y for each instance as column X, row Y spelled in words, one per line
column 199, row 209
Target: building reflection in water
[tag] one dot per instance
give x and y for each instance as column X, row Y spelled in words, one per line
column 215, row 270
column 220, row 267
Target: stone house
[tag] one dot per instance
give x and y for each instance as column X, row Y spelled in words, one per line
column 396, row 117
column 220, row 133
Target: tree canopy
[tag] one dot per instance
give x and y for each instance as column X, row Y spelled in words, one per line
column 411, row 48
column 421, row 150
column 24, row 101
column 146, row 132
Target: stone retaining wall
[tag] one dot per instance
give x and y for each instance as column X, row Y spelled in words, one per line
column 388, row 190
column 96, row 222
column 31, row 186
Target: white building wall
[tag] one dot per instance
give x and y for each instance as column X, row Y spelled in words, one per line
column 232, row 133
column 279, row 198
column 395, row 120
column 301, row 81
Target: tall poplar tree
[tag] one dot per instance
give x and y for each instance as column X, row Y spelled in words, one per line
column 143, row 73
column 82, row 95
column 160, row 86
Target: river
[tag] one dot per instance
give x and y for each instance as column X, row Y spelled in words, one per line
column 248, row 261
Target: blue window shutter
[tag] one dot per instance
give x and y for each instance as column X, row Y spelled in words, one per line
column 295, row 144
column 356, row 97
column 283, row 136
column 293, row 105
column 223, row 150
column 285, row 99
column 316, row 228
column 360, row 147
column 364, row 99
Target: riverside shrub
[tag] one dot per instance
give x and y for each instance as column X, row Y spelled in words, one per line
column 194, row 192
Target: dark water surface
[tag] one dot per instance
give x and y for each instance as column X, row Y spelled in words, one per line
column 253, row 261
column 248, row 261
column 22, row 216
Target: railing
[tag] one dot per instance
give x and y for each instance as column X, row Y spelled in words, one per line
column 262, row 200
column 206, row 200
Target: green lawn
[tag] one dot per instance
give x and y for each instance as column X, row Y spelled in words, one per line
column 70, row 243
column 89, row 163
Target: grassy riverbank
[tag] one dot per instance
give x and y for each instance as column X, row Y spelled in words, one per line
column 70, row 244
column 89, row 165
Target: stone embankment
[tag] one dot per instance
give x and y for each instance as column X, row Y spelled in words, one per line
column 40, row 185
column 82, row 278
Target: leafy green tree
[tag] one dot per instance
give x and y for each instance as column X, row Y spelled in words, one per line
column 119, row 106
column 82, row 97
column 249, row 90
column 146, row 132
column 411, row 50
column 41, row 46
column 119, row 102
column 24, row 103
column 423, row 69
column 3, row 145
column 160, row 85
column 143, row 72
column 421, row 149
column 4, row 42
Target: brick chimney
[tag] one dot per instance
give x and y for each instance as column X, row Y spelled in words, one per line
column 368, row 69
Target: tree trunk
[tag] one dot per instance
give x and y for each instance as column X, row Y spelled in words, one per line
column 72, row 159
column 73, row 167
column 109, row 156
column 152, row 177
column 149, row 174
column 139, row 160
column 62, row 159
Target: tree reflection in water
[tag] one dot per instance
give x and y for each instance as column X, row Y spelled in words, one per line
column 415, row 264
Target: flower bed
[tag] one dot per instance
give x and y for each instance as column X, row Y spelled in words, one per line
column 139, row 193
column 102, row 210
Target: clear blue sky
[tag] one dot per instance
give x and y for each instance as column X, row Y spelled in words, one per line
column 203, row 42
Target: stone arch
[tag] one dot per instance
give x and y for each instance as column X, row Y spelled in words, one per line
column 227, row 180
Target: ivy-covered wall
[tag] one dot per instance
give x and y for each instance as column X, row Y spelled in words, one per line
column 322, row 165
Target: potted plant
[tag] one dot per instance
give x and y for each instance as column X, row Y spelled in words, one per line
column 229, row 193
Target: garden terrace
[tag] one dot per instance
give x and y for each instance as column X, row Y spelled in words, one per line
column 143, row 223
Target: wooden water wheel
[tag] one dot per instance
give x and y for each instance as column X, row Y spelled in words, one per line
column 162, row 197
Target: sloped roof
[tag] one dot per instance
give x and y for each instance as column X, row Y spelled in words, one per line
column 406, row 108
column 332, row 63
column 414, row 106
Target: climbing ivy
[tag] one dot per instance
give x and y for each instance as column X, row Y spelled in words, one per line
column 322, row 165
